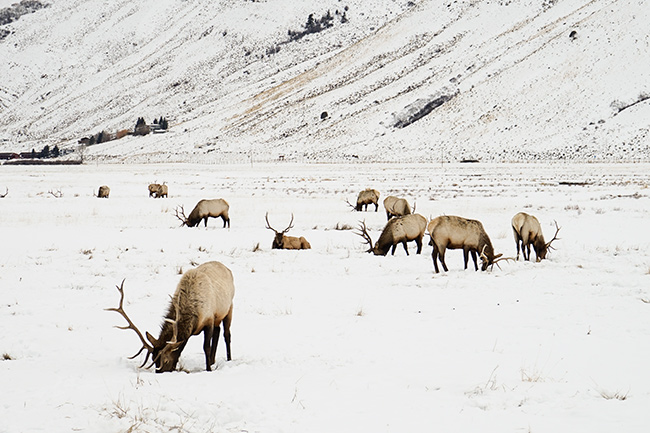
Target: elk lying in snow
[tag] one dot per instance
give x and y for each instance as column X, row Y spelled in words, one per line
column 284, row 242
column 157, row 190
column 103, row 191
column 527, row 231
column 396, row 207
column 397, row 230
column 453, row 232
column 366, row 197
column 202, row 301
column 203, row 210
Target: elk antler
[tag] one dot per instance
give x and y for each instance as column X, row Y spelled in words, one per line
column 290, row 226
column 5, row 194
column 181, row 216
column 353, row 206
column 268, row 225
column 57, row 194
column 496, row 262
column 131, row 325
column 174, row 322
column 555, row 238
column 363, row 232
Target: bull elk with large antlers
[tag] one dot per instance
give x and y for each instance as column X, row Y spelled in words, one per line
column 454, row 232
column 527, row 232
column 284, row 242
column 398, row 230
column 203, row 210
column 202, row 301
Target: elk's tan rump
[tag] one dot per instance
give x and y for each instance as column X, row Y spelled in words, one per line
column 396, row 207
column 103, row 191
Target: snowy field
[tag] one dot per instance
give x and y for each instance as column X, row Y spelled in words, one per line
column 332, row 339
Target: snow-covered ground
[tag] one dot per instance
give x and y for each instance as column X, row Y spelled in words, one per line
column 330, row 339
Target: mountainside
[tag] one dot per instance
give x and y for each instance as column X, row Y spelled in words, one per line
column 331, row 80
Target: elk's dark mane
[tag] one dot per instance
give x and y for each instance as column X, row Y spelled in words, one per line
column 385, row 241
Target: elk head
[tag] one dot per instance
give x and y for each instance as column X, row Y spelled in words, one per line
column 547, row 246
column 164, row 354
column 278, row 242
column 489, row 259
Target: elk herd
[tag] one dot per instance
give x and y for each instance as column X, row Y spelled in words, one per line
column 203, row 300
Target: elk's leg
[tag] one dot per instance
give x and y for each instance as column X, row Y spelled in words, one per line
column 473, row 252
column 392, row 251
column 418, row 242
column 376, row 207
column 434, row 256
column 466, row 256
column 215, row 342
column 205, row 221
column 526, row 251
column 517, row 240
column 207, row 345
column 406, row 248
column 441, row 256
column 226, row 333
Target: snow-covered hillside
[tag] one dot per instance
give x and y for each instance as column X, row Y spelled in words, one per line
column 518, row 80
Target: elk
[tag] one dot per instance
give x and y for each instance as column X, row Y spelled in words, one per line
column 203, row 210
column 396, row 207
column 103, row 191
column 397, row 230
column 527, row 231
column 284, row 242
column 203, row 300
column 366, row 197
column 157, row 190
column 454, row 232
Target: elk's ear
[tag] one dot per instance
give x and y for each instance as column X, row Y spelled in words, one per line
column 152, row 340
column 498, row 255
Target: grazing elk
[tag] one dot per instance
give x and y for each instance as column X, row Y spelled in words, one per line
column 366, row 197
column 203, row 210
column 397, row 230
column 103, row 191
column 396, row 207
column 202, row 301
column 157, row 190
column 454, row 232
column 527, row 231
column 284, row 242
